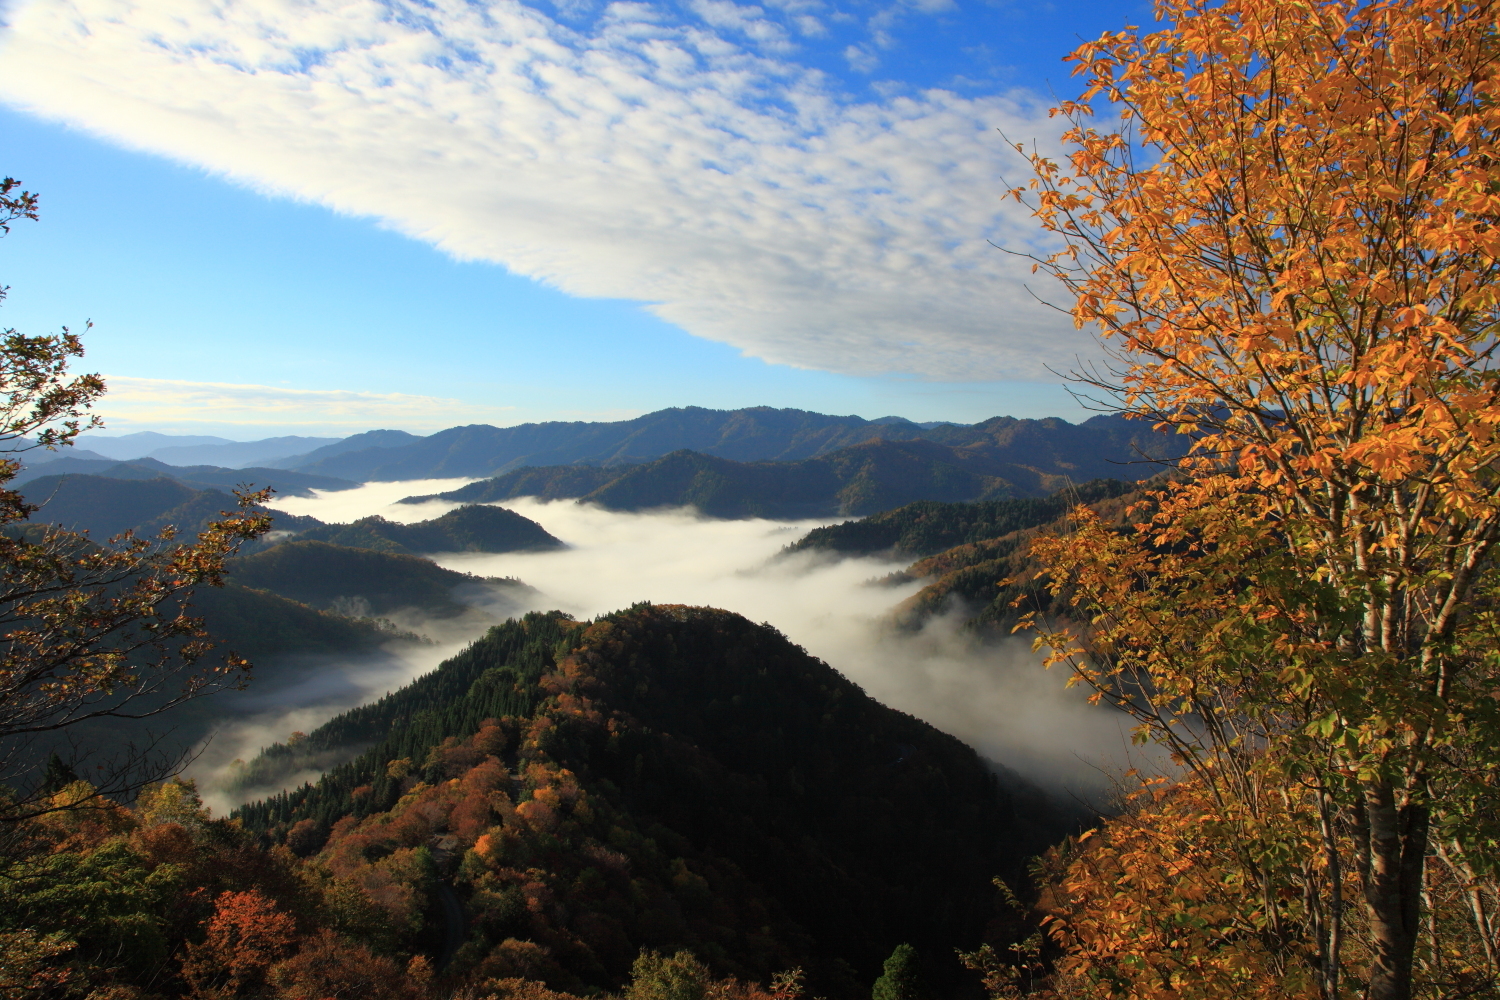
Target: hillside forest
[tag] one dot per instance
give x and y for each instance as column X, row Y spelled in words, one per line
column 1272, row 562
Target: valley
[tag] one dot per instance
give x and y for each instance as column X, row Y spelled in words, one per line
column 562, row 704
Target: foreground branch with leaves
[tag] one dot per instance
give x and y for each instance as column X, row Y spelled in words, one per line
column 89, row 629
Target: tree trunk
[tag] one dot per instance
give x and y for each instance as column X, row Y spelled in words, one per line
column 1393, row 888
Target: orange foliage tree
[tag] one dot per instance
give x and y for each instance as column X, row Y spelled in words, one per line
column 246, row 937
column 1291, row 246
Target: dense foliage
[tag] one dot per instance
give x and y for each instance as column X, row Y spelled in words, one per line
column 161, row 900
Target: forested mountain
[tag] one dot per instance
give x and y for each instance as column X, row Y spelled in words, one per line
column 299, row 598
column 359, row 582
column 265, row 627
column 473, row 528
column 972, row 557
column 666, row 777
column 748, row 435
column 301, row 609
column 928, row 527
column 874, row 476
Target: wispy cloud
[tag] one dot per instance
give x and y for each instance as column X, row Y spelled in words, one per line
column 677, row 158
column 167, row 402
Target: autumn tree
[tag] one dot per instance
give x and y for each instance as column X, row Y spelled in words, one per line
column 1289, row 244
column 246, row 937
column 90, row 629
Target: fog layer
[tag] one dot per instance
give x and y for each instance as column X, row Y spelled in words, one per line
column 997, row 698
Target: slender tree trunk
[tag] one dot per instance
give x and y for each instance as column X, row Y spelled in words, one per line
column 1331, row 943
column 1393, row 888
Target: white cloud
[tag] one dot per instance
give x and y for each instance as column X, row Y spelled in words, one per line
column 152, row 401
column 861, row 59
column 645, row 159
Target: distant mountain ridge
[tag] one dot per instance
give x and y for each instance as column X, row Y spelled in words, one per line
column 193, row 449
column 999, row 460
column 754, row 434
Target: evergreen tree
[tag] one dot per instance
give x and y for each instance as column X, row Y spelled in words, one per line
column 901, row 979
column 59, row 775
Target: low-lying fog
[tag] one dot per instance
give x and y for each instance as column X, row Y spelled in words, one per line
column 996, row 698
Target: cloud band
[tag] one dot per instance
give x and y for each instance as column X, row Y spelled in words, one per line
column 682, row 162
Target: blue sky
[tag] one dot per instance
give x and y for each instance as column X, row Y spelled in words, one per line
column 321, row 216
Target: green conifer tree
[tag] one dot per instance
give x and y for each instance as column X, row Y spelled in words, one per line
column 902, row 977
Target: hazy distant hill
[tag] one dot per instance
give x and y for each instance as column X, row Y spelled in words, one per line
column 41, row 456
column 285, row 482
column 755, row 434
column 236, row 454
column 876, row 475
column 196, row 449
column 123, row 447
column 358, row 442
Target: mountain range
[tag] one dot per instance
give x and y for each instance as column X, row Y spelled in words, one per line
column 370, row 567
column 757, row 461
column 298, row 608
column 192, row 449
column 755, row 434
column 874, row 476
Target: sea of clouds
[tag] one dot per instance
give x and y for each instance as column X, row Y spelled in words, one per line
column 997, row 698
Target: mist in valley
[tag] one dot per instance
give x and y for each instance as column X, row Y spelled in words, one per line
column 996, row 697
